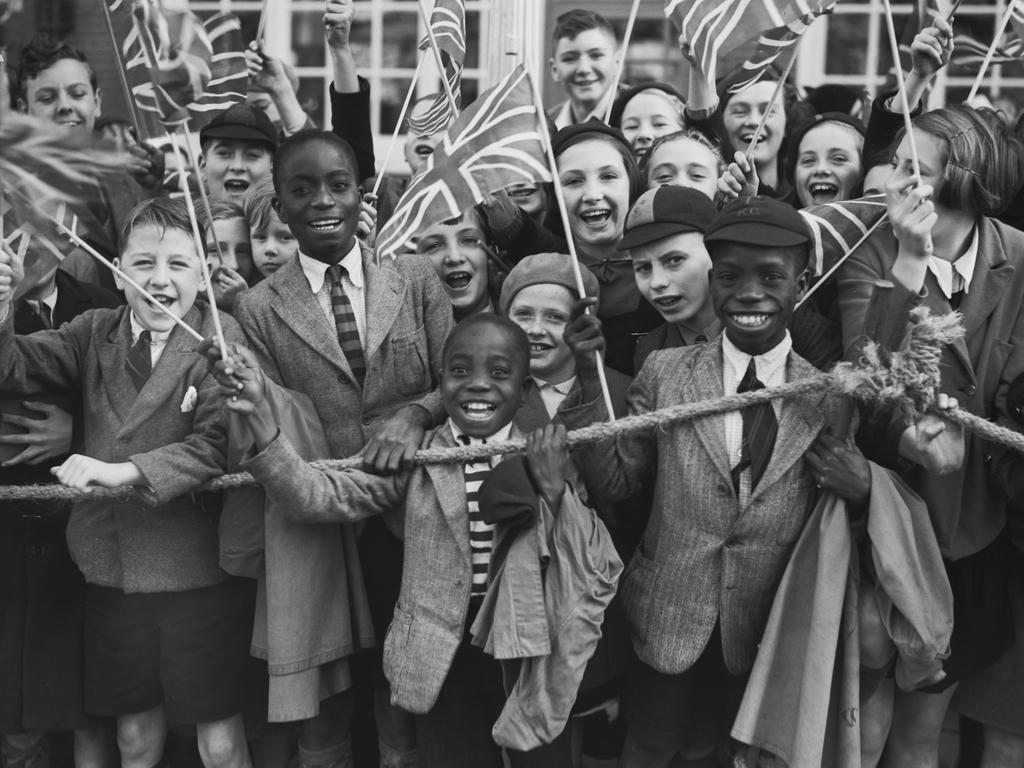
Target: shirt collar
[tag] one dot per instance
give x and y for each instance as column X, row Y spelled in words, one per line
column 564, row 388
column 316, row 271
column 155, row 337
column 50, row 299
column 945, row 271
column 767, row 364
column 501, row 434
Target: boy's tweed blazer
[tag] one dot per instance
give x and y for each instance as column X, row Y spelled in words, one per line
column 702, row 559
column 408, row 317
column 430, row 619
column 125, row 543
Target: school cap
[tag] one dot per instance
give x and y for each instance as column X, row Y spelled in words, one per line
column 541, row 269
column 759, row 221
column 241, row 123
column 664, row 211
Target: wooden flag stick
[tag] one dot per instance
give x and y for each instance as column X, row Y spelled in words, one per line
column 203, row 197
column 437, row 58
column 122, row 76
column 908, row 126
column 113, row 268
column 398, row 128
column 262, row 28
column 3, row 201
column 622, row 59
column 776, row 94
column 198, row 237
column 542, row 129
column 1003, row 23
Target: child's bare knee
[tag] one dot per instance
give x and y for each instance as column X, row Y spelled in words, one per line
column 140, row 738
column 876, row 647
column 222, row 744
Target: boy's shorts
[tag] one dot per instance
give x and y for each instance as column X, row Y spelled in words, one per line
column 185, row 650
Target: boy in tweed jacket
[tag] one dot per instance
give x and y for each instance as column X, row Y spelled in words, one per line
column 166, row 631
column 730, row 497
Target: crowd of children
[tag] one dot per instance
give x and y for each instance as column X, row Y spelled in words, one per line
column 557, row 608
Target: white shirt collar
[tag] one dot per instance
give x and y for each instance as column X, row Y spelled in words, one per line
column 946, row 272
column 501, row 434
column 50, row 299
column 563, row 388
column 767, row 363
column 155, row 337
column 316, row 271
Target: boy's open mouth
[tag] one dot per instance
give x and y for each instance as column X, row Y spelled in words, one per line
column 667, row 302
column 478, row 410
column 236, row 186
column 539, row 347
column 750, row 320
column 325, row 225
column 458, row 280
column 159, row 298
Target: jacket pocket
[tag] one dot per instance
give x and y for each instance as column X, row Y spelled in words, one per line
column 409, row 363
column 396, row 647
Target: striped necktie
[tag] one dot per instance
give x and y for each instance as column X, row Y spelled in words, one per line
column 481, row 535
column 760, row 427
column 345, row 321
column 139, row 361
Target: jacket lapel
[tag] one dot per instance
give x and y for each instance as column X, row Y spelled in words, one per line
column 296, row 305
column 801, row 419
column 704, row 383
column 385, row 289
column 992, row 275
column 450, row 489
column 111, row 351
column 165, row 380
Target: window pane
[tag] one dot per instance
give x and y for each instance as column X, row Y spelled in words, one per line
column 311, row 97
column 473, row 39
column 400, row 40
column 308, row 38
column 392, row 94
column 359, row 39
column 847, row 45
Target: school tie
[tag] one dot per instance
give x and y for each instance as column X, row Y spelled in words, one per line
column 481, row 535
column 139, row 361
column 759, row 430
column 345, row 320
column 43, row 311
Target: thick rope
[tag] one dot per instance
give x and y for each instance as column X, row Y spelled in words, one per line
column 904, row 379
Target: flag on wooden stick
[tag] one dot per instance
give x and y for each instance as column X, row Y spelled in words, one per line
column 713, row 34
column 448, row 25
column 229, row 76
column 493, row 144
column 837, row 227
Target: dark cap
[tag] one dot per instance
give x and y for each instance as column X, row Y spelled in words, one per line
column 665, row 211
column 573, row 134
column 759, row 221
column 241, row 123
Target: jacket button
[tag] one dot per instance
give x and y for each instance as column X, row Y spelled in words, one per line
column 970, row 389
column 723, row 489
column 459, row 583
column 124, row 439
column 341, row 377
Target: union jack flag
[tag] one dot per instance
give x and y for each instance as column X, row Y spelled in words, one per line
column 32, row 234
column 493, row 144
column 448, row 24
column 165, row 76
column 837, row 228
column 969, row 51
column 754, row 32
column 228, row 74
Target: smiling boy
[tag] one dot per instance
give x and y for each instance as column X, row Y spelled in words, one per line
column 237, row 151
column 731, row 493
column 584, row 58
column 166, row 630
column 363, row 342
column 453, row 687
